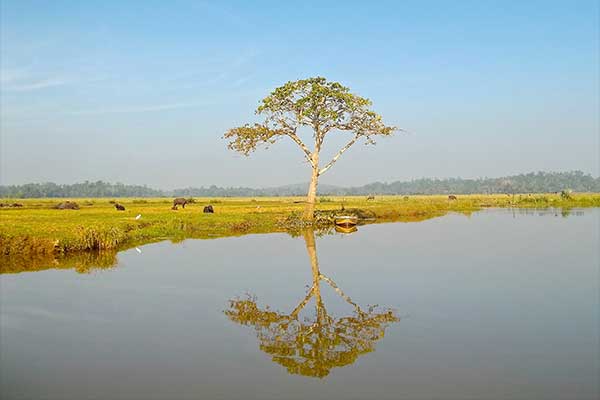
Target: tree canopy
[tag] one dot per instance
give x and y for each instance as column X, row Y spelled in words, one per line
column 316, row 103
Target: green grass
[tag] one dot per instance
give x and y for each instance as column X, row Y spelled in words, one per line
column 38, row 229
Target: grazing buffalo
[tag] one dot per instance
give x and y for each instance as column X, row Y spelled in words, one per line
column 370, row 198
column 452, row 197
column 119, row 207
column 208, row 209
column 180, row 201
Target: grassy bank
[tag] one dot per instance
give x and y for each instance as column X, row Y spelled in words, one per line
column 37, row 229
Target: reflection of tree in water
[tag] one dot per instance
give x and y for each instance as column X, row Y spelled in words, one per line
column 313, row 347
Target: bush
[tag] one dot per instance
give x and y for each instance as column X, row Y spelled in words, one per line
column 566, row 194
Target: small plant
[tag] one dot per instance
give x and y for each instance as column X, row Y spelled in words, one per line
column 325, row 200
column 566, row 194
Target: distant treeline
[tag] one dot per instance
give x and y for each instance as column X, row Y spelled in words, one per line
column 540, row 182
column 85, row 189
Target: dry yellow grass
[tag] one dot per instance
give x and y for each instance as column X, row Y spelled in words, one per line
column 37, row 228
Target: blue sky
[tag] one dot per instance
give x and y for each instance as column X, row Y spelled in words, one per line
column 141, row 92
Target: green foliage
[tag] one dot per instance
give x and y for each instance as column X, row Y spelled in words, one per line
column 85, row 189
column 540, row 182
column 566, row 194
column 316, row 103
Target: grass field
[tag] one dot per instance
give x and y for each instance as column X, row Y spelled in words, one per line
column 36, row 229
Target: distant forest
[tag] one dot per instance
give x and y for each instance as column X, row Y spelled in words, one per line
column 540, row 182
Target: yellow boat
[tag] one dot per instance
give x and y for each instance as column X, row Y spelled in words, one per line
column 346, row 221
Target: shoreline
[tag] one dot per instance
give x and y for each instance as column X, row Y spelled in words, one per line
column 37, row 230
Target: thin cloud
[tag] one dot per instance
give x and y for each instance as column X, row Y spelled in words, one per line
column 21, row 80
column 138, row 109
column 43, row 84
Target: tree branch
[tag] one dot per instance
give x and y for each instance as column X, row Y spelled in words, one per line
column 340, row 292
column 338, row 155
column 307, row 152
column 303, row 303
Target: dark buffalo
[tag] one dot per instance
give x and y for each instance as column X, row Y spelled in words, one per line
column 119, row 207
column 180, row 201
column 208, row 209
column 452, row 197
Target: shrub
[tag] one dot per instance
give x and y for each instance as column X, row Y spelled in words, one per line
column 566, row 194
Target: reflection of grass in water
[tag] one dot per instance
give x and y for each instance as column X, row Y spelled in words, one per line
column 36, row 228
column 82, row 262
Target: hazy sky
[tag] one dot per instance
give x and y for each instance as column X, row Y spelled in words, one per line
column 142, row 92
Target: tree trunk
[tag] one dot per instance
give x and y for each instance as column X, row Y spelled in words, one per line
column 311, row 197
column 311, row 247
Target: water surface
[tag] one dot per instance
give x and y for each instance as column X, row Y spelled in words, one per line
column 497, row 305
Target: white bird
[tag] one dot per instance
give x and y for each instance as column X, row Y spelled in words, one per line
column 138, row 250
column 138, row 216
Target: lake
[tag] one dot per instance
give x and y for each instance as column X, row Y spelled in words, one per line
column 500, row 304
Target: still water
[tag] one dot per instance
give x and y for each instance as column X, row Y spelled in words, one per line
column 497, row 305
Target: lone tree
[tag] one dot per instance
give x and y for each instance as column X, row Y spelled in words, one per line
column 322, row 106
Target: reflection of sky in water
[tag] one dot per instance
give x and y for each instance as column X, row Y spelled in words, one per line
column 492, row 307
